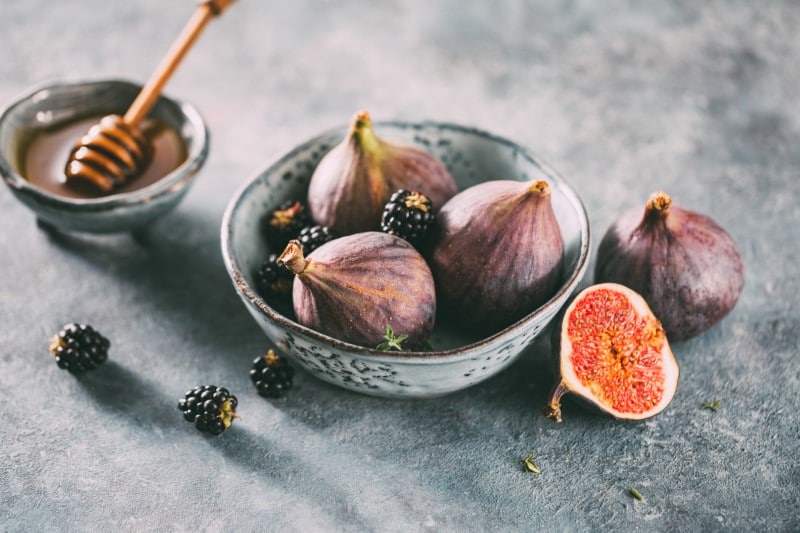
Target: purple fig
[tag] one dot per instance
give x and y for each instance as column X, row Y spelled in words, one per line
column 683, row 263
column 498, row 252
column 356, row 287
column 354, row 181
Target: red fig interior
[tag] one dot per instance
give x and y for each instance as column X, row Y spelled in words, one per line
column 615, row 353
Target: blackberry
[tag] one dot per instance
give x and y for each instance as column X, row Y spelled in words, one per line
column 312, row 237
column 79, row 347
column 407, row 214
column 285, row 223
column 271, row 374
column 272, row 279
column 211, row 408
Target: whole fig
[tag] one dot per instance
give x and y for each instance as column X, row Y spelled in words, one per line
column 613, row 354
column 497, row 252
column 683, row 263
column 354, row 287
column 354, row 181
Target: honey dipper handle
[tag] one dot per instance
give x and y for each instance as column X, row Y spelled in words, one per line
column 151, row 91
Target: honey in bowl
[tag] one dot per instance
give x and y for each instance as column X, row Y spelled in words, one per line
column 43, row 156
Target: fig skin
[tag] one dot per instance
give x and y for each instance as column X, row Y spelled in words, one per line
column 684, row 264
column 352, row 287
column 497, row 252
column 352, row 183
column 624, row 339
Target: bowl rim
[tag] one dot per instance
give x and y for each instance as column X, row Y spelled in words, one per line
column 166, row 185
column 417, row 357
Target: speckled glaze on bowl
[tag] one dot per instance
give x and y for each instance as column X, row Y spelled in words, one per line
column 63, row 102
column 460, row 360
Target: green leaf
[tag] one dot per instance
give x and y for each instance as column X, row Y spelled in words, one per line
column 529, row 466
column 393, row 342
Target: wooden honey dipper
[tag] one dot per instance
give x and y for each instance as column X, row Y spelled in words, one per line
column 115, row 150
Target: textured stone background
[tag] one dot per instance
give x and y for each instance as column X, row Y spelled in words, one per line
column 623, row 97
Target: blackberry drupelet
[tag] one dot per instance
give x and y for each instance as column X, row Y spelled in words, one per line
column 285, row 223
column 273, row 280
column 272, row 375
column 408, row 214
column 79, row 347
column 211, row 408
column 313, row 237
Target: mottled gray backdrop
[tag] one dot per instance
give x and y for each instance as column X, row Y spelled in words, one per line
column 623, row 97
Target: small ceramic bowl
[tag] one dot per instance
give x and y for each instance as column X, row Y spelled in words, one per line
column 460, row 359
column 60, row 103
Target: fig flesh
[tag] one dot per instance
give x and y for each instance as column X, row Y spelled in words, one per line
column 497, row 253
column 353, row 287
column 353, row 182
column 614, row 354
column 684, row 264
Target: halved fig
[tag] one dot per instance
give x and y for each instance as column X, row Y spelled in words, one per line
column 614, row 354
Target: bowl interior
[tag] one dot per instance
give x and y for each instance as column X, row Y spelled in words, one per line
column 471, row 155
column 60, row 103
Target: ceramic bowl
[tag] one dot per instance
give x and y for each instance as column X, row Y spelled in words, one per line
column 59, row 103
column 459, row 360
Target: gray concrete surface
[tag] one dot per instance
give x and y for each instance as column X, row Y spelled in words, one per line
column 696, row 98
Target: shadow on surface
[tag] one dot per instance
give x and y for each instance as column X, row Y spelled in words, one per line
column 117, row 388
column 324, row 486
column 176, row 266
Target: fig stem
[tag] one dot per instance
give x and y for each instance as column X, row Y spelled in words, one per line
column 362, row 120
column 657, row 208
column 540, row 187
column 553, row 409
column 659, row 201
column 292, row 257
column 361, row 132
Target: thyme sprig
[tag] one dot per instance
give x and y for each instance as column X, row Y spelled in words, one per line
column 393, row 342
column 529, row 466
